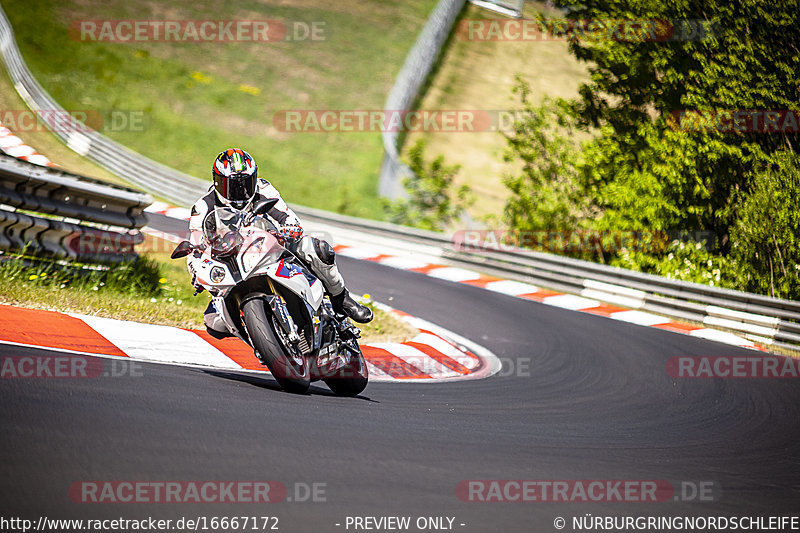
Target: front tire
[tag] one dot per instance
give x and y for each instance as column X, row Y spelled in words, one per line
column 291, row 371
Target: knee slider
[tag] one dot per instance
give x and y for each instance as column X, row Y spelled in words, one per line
column 324, row 251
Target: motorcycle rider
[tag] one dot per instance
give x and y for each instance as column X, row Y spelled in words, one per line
column 237, row 185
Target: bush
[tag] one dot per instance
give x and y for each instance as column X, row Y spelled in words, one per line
column 432, row 202
column 684, row 261
column 545, row 194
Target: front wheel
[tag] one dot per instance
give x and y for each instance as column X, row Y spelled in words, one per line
column 352, row 378
column 287, row 365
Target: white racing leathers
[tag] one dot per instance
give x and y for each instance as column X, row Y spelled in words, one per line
column 316, row 253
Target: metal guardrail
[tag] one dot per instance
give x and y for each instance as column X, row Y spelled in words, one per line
column 767, row 320
column 23, row 232
column 67, row 201
column 52, row 191
column 509, row 8
column 417, row 67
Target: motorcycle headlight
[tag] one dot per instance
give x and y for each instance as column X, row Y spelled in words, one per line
column 217, row 274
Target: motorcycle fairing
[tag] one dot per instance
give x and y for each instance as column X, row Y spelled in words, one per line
column 293, row 277
column 203, row 273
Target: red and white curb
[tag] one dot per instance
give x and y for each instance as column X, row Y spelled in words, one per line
column 434, row 355
column 597, row 298
column 160, row 208
column 14, row 146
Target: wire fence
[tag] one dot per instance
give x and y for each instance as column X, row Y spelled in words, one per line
column 412, row 76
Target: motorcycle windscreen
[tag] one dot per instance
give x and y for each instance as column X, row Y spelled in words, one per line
column 221, row 230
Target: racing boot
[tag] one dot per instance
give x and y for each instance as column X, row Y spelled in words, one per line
column 214, row 324
column 344, row 304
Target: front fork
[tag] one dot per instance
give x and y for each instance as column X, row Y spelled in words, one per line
column 279, row 310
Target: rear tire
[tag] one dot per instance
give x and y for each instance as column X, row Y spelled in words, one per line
column 292, row 375
column 352, row 379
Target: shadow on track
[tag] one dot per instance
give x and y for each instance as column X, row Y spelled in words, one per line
column 269, row 383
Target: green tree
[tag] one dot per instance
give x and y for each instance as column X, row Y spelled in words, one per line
column 710, row 56
column 545, row 193
column 766, row 238
column 433, row 201
column 649, row 168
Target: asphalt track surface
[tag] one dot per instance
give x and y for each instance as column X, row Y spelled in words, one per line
column 581, row 397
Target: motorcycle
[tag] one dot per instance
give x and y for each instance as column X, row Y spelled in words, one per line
column 268, row 298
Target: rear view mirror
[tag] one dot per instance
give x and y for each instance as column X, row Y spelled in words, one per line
column 182, row 250
column 262, row 207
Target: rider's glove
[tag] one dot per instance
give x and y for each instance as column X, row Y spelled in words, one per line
column 291, row 233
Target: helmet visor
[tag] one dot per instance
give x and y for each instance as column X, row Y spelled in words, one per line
column 238, row 190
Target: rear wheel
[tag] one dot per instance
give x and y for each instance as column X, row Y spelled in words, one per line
column 352, row 379
column 285, row 362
